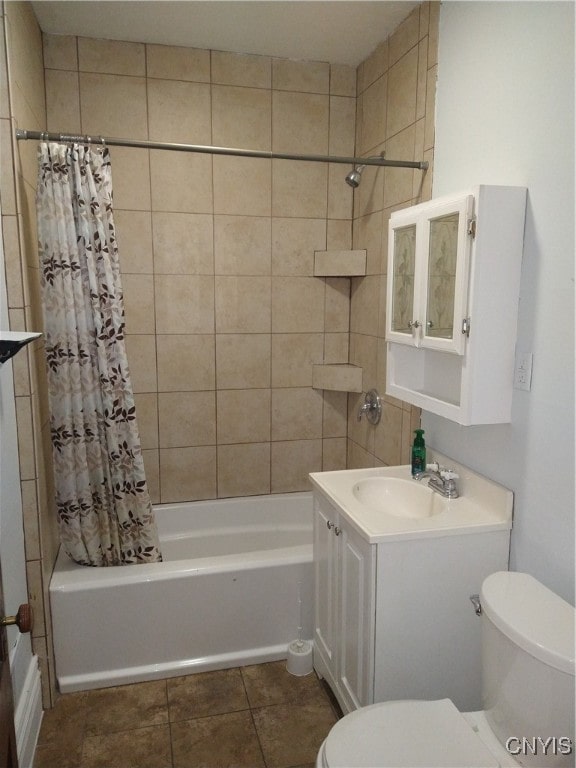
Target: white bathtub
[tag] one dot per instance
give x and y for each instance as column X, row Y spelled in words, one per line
column 225, row 595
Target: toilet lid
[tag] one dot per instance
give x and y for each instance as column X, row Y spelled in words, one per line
column 406, row 734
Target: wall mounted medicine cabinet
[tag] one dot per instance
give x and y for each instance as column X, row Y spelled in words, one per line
column 452, row 303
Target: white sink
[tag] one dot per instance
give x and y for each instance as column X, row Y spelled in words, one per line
column 384, row 503
column 398, row 497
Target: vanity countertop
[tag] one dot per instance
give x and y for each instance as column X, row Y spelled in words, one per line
column 482, row 506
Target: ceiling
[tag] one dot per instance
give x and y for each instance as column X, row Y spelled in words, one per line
column 338, row 31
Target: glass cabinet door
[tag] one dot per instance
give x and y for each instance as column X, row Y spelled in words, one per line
column 445, row 275
column 403, row 280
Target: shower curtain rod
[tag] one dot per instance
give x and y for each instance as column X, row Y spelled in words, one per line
column 23, row 135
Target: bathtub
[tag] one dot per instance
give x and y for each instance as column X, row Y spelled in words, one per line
column 226, row 595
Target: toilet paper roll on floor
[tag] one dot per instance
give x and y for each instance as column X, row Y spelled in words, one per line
column 299, row 661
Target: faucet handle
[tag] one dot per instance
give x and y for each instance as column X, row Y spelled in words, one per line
column 449, row 474
column 433, row 467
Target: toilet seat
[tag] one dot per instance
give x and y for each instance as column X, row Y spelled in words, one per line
column 406, row 734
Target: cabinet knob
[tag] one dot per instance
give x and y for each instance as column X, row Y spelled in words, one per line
column 337, row 531
column 329, row 525
column 413, row 324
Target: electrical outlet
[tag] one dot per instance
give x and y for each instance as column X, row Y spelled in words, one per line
column 523, row 371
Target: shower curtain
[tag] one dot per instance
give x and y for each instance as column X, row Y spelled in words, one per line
column 104, row 510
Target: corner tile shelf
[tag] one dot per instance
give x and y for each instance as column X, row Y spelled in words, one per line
column 338, row 377
column 340, row 263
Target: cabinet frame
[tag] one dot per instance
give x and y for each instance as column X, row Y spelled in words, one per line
column 471, row 383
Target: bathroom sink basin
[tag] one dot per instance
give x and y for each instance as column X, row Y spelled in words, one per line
column 398, row 497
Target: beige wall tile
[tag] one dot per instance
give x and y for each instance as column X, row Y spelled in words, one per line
column 339, row 233
column 340, row 194
column 7, row 188
column 369, row 196
column 131, row 178
column 111, row 57
column 243, row 304
column 12, row 265
column 187, row 474
column 36, row 596
column 113, row 105
column 4, row 94
column 243, row 360
column 134, row 237
column 368, row 234
column 241, row 69
column 303, row 76
column 62, row 101
column 358, row 457
column 334, row 414
column 171, row 62
column 296, row 413
column 139, row 303
column 364, row 353
column 293, row 355
column 152, row 470
column 242, row 245
column 30, row 519
column 242, row 186
column 405, row 36
column 25, row 438
column 243, row 416
column 186, row 362
column 398, row 181
column 179, row 111
column 300, row 122
column 333, row 454
column 364, row 305
column 60, row 52
column 388, row 436
column 337, row 304
column 181, row 182
column 241, row 117
column 336, row 347
column 184, row 303
column 433, row 34
column 186, row 419
column 299, row 189
column 402, row 87
column 430, row 100
column 374, row 66
column 183, row 243
column 291, row 463
column 141, row 351
column 147, row 414
column 342, row 80
column 342, row 126
column 293, row 244
column 243, row 470
column 374, row 111
column 297, row 305
column 422, row 78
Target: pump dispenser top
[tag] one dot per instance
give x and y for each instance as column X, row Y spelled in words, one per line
column 418, row 452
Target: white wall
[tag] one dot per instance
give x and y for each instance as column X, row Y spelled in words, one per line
column 505, row 115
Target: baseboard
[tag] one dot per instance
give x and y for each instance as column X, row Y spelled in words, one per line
column 28, row 715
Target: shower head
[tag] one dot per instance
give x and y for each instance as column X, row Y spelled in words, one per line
column 353, row 178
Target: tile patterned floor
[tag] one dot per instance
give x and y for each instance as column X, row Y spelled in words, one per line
column 250, row 717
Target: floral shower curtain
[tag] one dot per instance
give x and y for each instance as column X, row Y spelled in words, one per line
column 104, row 510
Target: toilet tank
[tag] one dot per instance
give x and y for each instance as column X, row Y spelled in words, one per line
column 528, row 669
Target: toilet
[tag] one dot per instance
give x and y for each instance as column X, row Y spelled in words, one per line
column 527, row 695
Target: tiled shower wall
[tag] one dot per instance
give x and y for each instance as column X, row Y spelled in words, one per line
column 395, row 115
column 224, row 319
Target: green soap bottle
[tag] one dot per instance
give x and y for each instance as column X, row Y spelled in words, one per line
column 418, row 452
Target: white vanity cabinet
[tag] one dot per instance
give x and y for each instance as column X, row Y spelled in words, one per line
column 344, row 622
column 452, row 302
column 393, row 616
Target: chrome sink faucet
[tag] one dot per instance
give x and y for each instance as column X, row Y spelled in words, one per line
column 441, row 480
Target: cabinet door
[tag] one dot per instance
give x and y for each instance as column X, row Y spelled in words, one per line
column 325, row 582
column 356, row 587
column 401, row 316
column 445, row 258
column 428, row 263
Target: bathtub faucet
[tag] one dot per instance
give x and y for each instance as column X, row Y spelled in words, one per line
column 441, row 480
